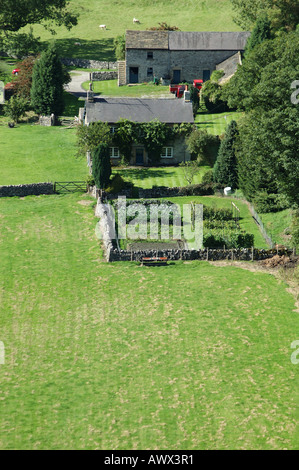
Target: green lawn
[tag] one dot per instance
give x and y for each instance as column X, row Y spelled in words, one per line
column 204, row 15
column 32, row 153
column 144, row 90
column 98, row 356
column 146, row 178
column 216, row 123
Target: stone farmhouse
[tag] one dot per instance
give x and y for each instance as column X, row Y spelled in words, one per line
column 179, row 56
column 169, row 111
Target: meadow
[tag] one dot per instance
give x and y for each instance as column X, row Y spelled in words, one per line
column 199, row 15
column 113, row 356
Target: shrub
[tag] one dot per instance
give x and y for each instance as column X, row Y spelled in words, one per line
column 264, row 202
column 116, row 185
column 101, row 166
column 208, row 177
column 203, row 146
column 16, row 107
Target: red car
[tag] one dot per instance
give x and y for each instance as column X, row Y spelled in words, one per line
column 198, row 84
column 16, row 71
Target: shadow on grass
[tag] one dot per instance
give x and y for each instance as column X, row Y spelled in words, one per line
column 138, row 174
column 95, row 50
column 72, row 104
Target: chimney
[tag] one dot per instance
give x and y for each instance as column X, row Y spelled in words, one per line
column 90, row 94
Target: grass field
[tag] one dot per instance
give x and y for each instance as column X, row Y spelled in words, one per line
column 146, row 178
column 98, row 356
column 188, row 15
column 216, row 123
column 278, row 225
column 32, row 153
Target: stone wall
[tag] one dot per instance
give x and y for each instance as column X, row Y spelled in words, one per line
column 47, row 121
column 88, row 64
column 23, row 190
column 190, row 63
column 101, row 76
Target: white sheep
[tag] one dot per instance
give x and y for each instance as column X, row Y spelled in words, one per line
column 77, row 43
column 135, row 20
column 102, row 26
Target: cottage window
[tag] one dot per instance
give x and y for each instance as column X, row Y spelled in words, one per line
column 114, row 152
column 150, row 55
column 150, row 72
column 167, row 152
column 113, row 129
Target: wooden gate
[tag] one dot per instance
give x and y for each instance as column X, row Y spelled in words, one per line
column 70, row 186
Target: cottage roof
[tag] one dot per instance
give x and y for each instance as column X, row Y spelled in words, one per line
column 111, row 110
column 204, row 40
column 187, row 41
column 146, row 39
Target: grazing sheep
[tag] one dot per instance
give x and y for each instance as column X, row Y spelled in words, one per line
column 77, row 43
column 135, row 20
column 102, row 26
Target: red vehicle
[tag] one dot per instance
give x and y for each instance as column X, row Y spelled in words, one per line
column 178, row 90
column 198, row 84
column 16, row 71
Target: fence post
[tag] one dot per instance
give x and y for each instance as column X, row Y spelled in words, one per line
column 207, row 253
column 252, row 253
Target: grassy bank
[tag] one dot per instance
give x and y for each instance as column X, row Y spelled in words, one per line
column 98, row 356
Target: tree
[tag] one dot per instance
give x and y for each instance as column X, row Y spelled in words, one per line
column 47, row 84
column 190, row 170
column 90, row 137
column 282, row 13
column 261, row 32
column 124, row 136
column 23, row 82
column 101, row 166
column 225, row 168
column 120, row 47
column 15, row 14
column 203, row 146
column 20, row 45
column 154, row 135
column 16, row 107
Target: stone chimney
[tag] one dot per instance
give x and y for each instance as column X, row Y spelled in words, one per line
column 187, row 96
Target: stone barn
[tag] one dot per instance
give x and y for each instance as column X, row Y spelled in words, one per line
column 176, row 55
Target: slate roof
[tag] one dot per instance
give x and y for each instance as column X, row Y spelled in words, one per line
column 187, row 41
column 111, row 110
column 208, row 41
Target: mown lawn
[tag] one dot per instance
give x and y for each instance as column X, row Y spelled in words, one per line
column 170, row 177
column 143, row 90
column 32, row 153
column 216, row 123
column 204, row 15
column 98, row 356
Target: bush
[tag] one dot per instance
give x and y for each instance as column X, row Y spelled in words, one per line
column 264, row 202
column 208, row 177
column 16, row 107
column 116, row 185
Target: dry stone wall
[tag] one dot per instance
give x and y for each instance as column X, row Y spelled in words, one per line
column 22, row 190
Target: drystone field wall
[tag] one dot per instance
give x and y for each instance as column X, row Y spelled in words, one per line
column 89, row 64
column 22, row 190
column 101, row 76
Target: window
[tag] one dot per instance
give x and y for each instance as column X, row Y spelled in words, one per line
column 150, row 55
column 150, row 72
column 114, row 152
column 167, row 152
column 112, row 129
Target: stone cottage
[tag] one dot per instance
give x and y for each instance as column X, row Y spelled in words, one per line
column 169, row 111
column 178, row 56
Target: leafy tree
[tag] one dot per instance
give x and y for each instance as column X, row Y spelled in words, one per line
column 120, row 47
column 261, row 32
column 20, row 45
column 90, row 137
column 16, row 107
column 47, row 84
column 101, row 166
column 23, row 82
column 225, row 168
column 190, row 170
column 154, row 135
column 282, row 13
column 126, row 133
column 15, row 14
column 203, row 146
